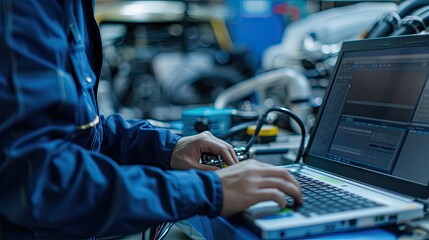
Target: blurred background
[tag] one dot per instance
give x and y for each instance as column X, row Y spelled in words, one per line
column 195, row 65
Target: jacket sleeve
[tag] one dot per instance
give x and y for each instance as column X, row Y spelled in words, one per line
column 53, row 177
column 137, row 142
column 55, row 184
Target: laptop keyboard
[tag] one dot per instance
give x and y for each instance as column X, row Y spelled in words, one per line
column 321, row 198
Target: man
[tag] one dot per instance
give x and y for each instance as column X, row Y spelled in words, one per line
column 66, row 171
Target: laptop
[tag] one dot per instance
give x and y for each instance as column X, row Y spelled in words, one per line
column 367, row 160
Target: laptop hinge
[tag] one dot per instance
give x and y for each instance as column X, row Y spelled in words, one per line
column 425, row 203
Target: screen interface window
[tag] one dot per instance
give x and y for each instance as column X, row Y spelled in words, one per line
column 377, row 114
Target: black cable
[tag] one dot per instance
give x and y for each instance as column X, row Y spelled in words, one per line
column 164, row 231
column 152, row 231
column 420, row 11
column 385, row 26
column 289, row 113
column 159, row 231
column 410, row 25
column 219, row 160
column 407, row 7
column 415, row 23
column 390, row 21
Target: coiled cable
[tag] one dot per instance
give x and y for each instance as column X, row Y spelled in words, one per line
column 289, row 113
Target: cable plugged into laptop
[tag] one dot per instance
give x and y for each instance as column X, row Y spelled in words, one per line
column 243, row 152
column 290, row 114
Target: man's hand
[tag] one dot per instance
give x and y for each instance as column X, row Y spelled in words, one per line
column 188, row 151
column 250, row 182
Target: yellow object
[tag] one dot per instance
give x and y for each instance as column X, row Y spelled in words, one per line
column 222, row 34
column 266, row 130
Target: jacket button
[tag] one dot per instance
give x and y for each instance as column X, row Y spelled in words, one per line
column 88, row 79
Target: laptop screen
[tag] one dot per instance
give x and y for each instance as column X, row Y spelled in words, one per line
column 376, row 115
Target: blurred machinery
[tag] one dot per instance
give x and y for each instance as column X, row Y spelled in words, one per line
column 217, row 121
column 162, row 57
column 319, row 35
column 293, row 91
column 409, row 18
column 296, row 72
column 167, row 59
column 251, row 19
column 310, row 47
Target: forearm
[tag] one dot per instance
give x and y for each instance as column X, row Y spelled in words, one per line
column 79, row 193
column 137, row 142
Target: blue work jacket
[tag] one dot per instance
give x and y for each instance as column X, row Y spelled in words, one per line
column 66, row 171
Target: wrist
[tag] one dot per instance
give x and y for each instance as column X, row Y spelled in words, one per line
column 169, row 151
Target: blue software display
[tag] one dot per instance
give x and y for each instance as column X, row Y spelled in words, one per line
column 378, row 114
